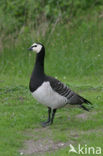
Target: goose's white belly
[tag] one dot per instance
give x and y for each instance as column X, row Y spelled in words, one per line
column 47, row 96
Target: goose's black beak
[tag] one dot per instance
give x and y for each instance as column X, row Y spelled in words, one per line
column 30, row 49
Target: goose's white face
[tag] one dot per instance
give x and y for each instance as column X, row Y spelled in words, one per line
column 36, row 47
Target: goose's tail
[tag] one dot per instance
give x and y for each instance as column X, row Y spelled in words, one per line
column 87, row 102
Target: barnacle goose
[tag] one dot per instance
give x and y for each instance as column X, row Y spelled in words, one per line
column 48, row 90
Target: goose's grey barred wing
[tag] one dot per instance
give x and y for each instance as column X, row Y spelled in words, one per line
column 65, row 91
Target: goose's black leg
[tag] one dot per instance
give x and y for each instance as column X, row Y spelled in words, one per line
column 53, row 114
column 49, row 116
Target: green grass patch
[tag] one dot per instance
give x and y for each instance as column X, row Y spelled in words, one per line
column 20, row 117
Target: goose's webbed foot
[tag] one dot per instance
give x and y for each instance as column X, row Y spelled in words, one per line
column 50, row 119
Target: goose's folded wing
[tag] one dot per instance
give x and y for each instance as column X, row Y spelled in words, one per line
column 65, row 91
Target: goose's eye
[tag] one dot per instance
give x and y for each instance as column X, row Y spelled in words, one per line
column 35, row 46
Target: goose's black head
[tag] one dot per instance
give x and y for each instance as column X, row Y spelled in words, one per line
column 37, row 47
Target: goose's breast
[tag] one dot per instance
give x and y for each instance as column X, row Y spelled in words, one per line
column 47, row 96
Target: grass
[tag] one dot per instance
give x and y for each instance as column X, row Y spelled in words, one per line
column 20, row 112
column 74, row 55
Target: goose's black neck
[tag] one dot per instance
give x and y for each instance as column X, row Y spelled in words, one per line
column 39, row 64
column 37, row 76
